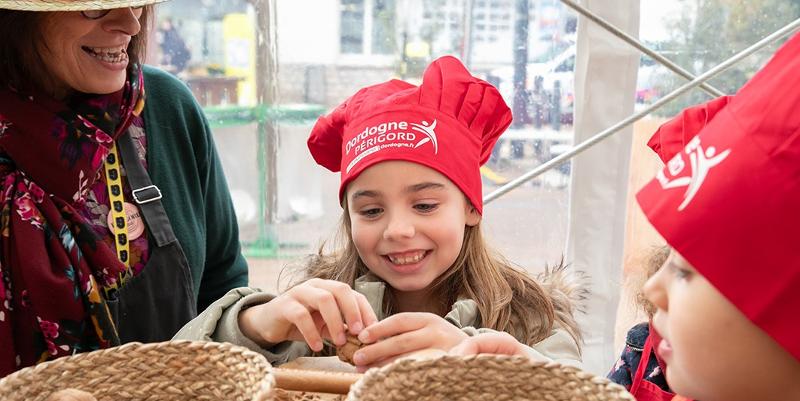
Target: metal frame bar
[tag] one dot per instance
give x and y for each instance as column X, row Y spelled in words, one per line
column 640, row 46
column 786, row 30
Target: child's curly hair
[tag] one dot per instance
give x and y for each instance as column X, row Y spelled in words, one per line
column 653, row 262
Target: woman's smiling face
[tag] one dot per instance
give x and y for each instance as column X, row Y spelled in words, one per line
column 87, row 55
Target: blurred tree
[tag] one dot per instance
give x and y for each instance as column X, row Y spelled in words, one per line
column 708, row 32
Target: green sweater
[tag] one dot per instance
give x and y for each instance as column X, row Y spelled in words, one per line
column 183, row 162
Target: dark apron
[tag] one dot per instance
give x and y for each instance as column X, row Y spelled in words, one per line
column 642, row 389
column 153, row 305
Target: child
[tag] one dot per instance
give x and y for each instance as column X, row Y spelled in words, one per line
column 413, row 272
column 727, row 299
column 640, row 369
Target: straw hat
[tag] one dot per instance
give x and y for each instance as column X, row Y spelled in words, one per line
column 483, row 377
column 72, row 5
column 176, row 371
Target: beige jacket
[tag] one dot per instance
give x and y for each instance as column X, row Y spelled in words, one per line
column 219, row 322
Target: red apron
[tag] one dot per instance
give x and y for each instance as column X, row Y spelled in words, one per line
column 642, row 389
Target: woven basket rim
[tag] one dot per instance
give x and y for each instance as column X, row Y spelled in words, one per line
column 373, row 377
column 133, row 347
column 72, row 5
column 55, row 368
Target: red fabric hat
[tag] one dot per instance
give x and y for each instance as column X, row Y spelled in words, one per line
column 449, row 123
column 672, row 136
column 728, row 202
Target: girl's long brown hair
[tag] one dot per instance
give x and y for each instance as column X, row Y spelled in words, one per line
column 508, row 299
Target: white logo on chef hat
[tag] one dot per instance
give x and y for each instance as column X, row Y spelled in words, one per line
column 702, row 161
column 430, row 136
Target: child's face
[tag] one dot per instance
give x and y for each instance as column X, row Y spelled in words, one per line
column 407, row 222
column 712, row 351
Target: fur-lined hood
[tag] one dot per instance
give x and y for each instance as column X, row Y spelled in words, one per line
column 568, row 292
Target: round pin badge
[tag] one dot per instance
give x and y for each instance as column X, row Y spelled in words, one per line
column 134, row 221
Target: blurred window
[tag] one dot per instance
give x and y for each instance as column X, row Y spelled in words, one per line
column 383, row 26
column 352, row 26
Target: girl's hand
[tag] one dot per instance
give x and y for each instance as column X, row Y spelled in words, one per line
column 71, row 394
column 489, row 343
column 308, row 312
column 402, row 334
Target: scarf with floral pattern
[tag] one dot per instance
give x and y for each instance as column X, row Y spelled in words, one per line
column 54, row 270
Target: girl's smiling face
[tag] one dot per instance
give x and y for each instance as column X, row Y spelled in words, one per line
column 407, row 222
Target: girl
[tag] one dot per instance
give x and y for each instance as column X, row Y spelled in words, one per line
column 413, row 272
column 640, row 369
column 726, row 299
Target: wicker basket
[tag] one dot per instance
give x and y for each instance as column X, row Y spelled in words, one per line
column 483, row 377
column 174, row 371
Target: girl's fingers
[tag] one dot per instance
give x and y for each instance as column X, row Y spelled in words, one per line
column 71, row 394
column 347, row 301
column 466, row 348
column 430, row 353
column 299, row 315
column 395, row 346
column 381, row 363
column 323, row 301
column 394, row 325
column 488, row 343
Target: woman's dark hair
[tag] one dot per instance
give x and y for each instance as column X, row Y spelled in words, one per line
column 21, row 65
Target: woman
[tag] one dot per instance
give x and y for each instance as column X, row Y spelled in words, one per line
column 87, row 161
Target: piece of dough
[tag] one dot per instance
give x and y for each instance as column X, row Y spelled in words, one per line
column 345, row 352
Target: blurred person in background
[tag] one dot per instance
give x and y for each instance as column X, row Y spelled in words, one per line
column 174, row 54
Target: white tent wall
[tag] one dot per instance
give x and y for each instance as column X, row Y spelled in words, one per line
column 605, row 83
column 641, row 239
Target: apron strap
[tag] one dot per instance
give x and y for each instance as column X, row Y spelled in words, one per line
column 657, row 339
column 146, row 195
column 643, row 362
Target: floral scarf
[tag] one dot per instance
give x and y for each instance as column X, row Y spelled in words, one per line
column 54, row 270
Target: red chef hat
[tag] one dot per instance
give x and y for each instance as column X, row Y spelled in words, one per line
column 672, row 136
column 449, row 123
column 728, row 201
